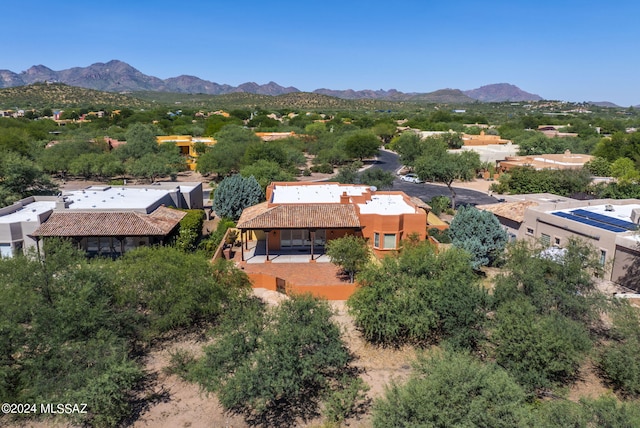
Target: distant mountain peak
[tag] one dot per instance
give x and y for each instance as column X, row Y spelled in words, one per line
column 118, row 76
column 500, row 92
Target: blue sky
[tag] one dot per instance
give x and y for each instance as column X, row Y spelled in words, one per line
column 563, row 49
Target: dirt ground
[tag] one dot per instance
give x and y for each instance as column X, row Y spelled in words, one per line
column 177, row 403
column 184, row 405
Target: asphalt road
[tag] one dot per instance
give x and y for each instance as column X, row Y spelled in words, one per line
column 388, row 161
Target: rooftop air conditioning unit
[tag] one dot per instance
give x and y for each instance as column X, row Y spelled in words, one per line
column 635, row 215
column 608, row 207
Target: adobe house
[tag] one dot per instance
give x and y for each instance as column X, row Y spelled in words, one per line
column 101, row 220
column 610, row 226
column 304, row 216
column 187, row 144
column 566, row 160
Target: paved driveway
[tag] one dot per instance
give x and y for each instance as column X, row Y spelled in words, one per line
column 388, row 161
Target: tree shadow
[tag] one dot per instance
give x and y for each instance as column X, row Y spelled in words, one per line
column 145, row 396
column 284, row 412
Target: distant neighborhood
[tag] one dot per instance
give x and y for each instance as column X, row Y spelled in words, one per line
column 293, row 254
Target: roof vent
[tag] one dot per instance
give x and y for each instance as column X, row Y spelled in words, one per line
column 608, row 207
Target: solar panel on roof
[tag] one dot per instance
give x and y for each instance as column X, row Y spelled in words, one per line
column 606, row 219
column 590, row 222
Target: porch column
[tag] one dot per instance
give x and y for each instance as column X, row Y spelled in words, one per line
column 121, row 240
column 242, row 232
column 312, row 232
column 266, row 244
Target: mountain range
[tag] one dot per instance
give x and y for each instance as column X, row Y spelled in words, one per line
column 118, row 76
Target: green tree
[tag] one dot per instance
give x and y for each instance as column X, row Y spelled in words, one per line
column 58, row 158
column 361, row 144
column 537, row 144
column 236, row 193
column 436, row 164
column 150, row 166
column 347, row 175
column 186, row 292
column 351, row 253
column 275, row 366
column 72, row 325
column 380, row 179
column 479, row 233
column 451, row 389
column 565, row 284
column 611, row 148
column 600, row 167
column 266, row 172
column 21, row 177
column 272, row 151
column 226, row 156
column 385, row 131
column 408, row 146
column 141, row 140
column 539, row 350
column 215, row 122
column 528, row 180
column 421, row 297
column 618, row 361
column 624, row 169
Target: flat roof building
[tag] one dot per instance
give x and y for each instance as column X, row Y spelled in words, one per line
column 609, row 225
column 99, row 219
column 306, row 215
column 566, row 160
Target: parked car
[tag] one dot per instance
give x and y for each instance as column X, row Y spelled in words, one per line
column 411, row 178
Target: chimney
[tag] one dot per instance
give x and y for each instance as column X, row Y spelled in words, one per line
column 344, row 198
column 61, row 203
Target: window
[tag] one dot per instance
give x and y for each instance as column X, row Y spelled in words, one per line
column 529, row 231
column 603, row 257
column 546, row 239
column 389, row 241
column 376, row 240
column 5, row 251
column 556, row 241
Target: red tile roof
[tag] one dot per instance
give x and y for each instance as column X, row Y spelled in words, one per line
column 299, row 216
column 69, row 223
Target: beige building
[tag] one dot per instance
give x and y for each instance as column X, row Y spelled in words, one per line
column 566, row 160
column 609, row 225
column 101, row 220
column 482, row 139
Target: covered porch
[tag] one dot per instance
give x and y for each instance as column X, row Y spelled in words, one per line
column 293, row 233
column 256, row 251
column 110, row 234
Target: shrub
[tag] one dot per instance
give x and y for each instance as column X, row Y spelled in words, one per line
column 442, row 236
column 190, row 230
column 236, row 193
column 439, row 204
column 323, row 168
column 420, row 297
column 479, row 233
column 452, row 389
column 275, row 365
column 210, row 244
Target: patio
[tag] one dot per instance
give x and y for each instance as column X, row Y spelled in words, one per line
column 291, row 271
column 257, row 253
